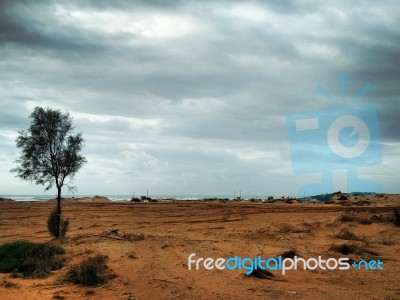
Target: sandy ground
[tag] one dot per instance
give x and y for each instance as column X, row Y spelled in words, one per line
column 156, row 267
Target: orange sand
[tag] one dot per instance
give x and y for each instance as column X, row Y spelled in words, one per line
column 156, row 267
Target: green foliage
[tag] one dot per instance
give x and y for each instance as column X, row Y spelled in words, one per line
column 92, row 271
column 52, row 225
column 64, row 227
column 31, row 259
column 50, row 152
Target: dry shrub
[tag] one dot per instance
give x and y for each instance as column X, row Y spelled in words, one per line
column 347, row 217
column 263, row 229
column 114, row 234
column 346, row 234
column 335, row 223
column 263, row 274
column 387, row 238
column 346, row 249
column 89, row 293
column 380, row 218
column 289, row 228
column 7, row 284
column 365, row 221
column 289, row 254
column 365, row 218
column 92, row 271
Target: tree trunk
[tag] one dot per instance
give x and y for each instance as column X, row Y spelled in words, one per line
column 58, row 211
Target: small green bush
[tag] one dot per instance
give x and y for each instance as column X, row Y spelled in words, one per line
column 31, row 259
column 92, row 271
column 64, row 227
column 52, row 225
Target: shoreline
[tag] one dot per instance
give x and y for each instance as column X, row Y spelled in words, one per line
column 357, row 198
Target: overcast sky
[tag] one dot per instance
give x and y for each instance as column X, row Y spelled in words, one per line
column 191, row 97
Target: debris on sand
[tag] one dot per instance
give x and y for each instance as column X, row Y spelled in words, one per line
column 7, row 284
column 114, row 234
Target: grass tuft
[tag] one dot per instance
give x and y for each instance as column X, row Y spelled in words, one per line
column 91, row 272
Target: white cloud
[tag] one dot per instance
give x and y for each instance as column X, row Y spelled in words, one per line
column 134, row 122
column 151, row 25
column 314, row 50
column 253, row 154
column 10, row 136
column 248, row 12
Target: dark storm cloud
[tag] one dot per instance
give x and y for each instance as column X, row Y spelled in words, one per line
column 22, row 23
column 170, row 91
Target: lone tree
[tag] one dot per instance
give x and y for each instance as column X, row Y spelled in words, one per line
column 50, row 152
